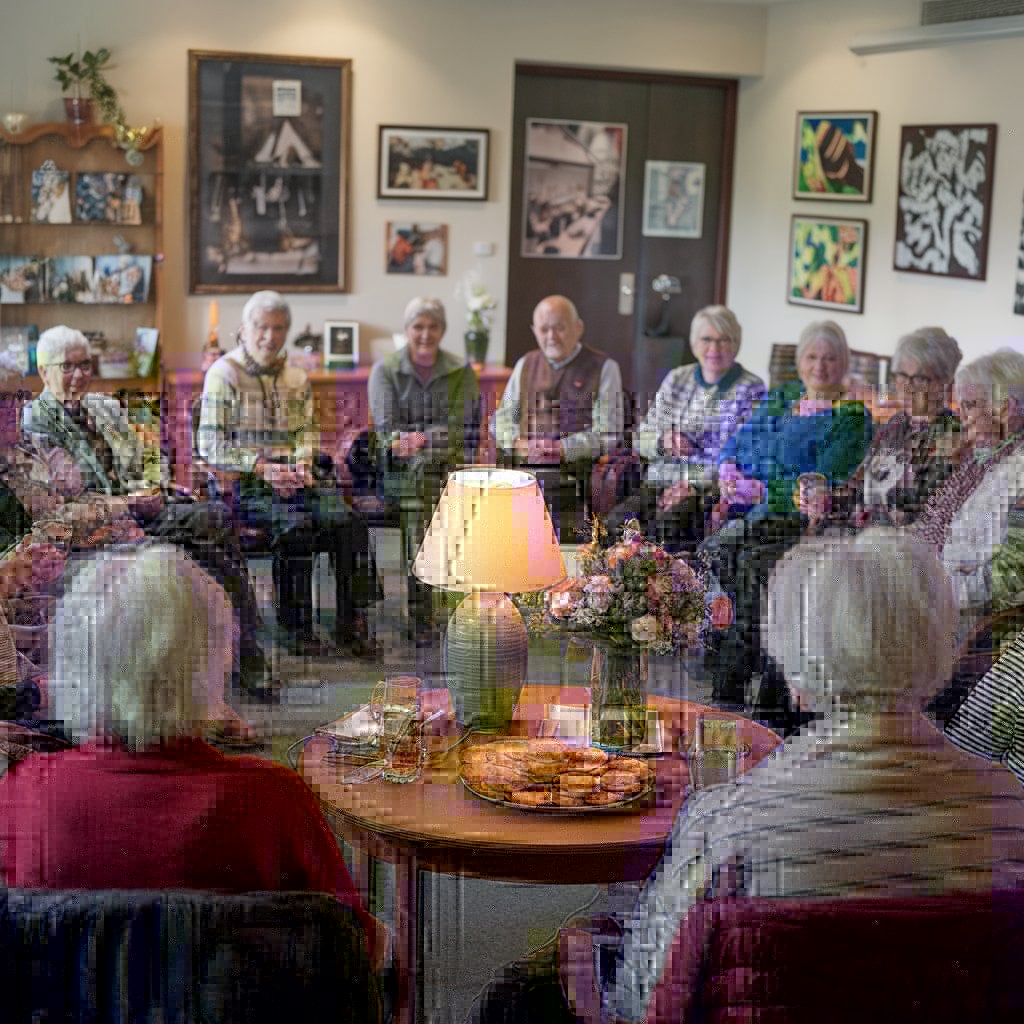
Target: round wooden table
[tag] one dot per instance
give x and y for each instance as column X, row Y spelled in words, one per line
column 437, row 825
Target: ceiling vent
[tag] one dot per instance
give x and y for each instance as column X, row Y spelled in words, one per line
column 942, row 12
column 946, row 23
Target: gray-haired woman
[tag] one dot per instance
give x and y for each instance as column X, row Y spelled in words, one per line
column 916, row 451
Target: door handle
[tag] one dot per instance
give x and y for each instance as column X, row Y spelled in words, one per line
column 627, row 294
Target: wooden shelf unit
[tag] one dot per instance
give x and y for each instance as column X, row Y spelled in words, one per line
column 78, row 149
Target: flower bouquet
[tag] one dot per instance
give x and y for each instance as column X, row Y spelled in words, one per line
column 480, row 309
column 631, row 599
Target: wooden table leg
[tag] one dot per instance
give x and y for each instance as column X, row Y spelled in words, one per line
column 407, row 937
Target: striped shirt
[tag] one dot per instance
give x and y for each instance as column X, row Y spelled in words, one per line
column 828, row 816
column 990, row 722
column 709, row 414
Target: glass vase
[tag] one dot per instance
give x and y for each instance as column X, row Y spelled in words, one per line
column 476, row 345
column 618, row 697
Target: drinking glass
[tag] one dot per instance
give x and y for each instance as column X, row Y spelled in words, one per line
column 714, row 752
column 401, row 739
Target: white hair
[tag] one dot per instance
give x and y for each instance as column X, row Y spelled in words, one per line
column 933, row 349
column 266, row 302
column 832, row 334
column 722, row 318
column 141, row 646
column 864, row 621
column 54, row 343
column 999, row 374
column 423, row 306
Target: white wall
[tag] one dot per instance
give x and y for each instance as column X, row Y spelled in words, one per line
column 808, row 66
column 435, row 62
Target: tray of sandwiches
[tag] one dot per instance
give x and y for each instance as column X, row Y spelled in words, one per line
column 550, row 776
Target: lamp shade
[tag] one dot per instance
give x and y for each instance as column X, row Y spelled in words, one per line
column 490, row 532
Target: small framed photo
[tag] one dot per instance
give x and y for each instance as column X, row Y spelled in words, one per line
column 22, row 279
column 69, row 279
column 146, row 339
column 108, row 198
column 51, row 194
column 673, row 199
column 432, row 163
column 826, row 258
column 419, row 248
column 835, row 155
column 122, row 279
column 341, row 344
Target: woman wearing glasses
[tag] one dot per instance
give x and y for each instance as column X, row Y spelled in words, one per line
column 111, row 459
column 916, row 451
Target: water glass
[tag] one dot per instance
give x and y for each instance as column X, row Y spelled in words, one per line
column 713, row 757
column 401, row 739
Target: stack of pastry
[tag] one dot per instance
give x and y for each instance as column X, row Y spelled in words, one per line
column 549, row 773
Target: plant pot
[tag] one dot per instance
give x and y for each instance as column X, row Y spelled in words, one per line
column 618, row 697
column 476, row 346
column 78, row 109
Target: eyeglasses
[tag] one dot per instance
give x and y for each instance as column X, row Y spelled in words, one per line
column 84, row 367
column 919, row 380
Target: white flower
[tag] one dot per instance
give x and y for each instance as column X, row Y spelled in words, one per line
column 644, row 630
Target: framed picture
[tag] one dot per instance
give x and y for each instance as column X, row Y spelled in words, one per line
column 341, row 344
column 827, row 263
column 51, row 194
column 835, row 155
column 123, row 279
column 268, row 172
column 108, row 197
column 146, row 339
column 573, row 181
column 69, row 279
column 945, row 199
column 432, row 163
column 22, row 279
column 673, row 199
column 418, row 248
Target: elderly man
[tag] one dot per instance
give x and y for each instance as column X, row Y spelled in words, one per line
column 562, row 407
column 257, row 421
column 102, row 478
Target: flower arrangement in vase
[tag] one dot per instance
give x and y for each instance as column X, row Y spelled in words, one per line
column 480, row 309
column 630, row 599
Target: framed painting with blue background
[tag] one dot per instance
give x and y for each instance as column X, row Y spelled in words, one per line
column 835, row 155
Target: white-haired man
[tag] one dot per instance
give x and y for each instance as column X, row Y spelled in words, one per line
column 562, row 407
column 257, row 420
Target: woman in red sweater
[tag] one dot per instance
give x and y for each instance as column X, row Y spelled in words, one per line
column 143, row 647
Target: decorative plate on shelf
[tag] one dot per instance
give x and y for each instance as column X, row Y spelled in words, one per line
column 552, row 777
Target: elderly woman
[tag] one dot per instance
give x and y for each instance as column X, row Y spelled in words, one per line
column 106, row 468
column 425, row 407
column 916, row 450
column 698, row 407
column 144, row 802
column 869, row 800
column 968, row 519
column 802, row 428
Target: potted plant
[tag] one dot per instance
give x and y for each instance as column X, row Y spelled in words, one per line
column 82, row 77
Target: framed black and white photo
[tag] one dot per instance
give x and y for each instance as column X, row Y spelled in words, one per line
column 573, row 184
column 945, row 199
column 268, row 169
column 432, row 163
column 341, row 344
column 673, row 199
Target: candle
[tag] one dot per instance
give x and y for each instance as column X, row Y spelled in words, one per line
column 214, row 315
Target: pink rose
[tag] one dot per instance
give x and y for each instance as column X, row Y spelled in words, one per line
column 599, row 593
column 644, row 630
column 563, row 598
column 721, row 611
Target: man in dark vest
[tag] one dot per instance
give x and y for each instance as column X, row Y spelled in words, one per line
column 562, row 409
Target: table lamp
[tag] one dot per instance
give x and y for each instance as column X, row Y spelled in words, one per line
column 490, row 536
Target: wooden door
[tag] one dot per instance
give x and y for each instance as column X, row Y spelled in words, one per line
column 575, row 233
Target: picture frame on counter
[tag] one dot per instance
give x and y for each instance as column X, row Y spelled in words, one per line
column 341, row 344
